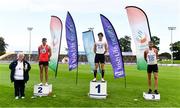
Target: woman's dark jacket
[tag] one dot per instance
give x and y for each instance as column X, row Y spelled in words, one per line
column 26, row 68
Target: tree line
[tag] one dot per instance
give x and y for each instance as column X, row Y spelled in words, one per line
column 125, row 46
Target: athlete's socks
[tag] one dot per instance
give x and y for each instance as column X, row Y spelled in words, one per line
column 102, row 73
column 95, row 73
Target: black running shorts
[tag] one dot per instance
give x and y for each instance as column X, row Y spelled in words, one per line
column 44, row 63
column 152, row 68
column 99, row 58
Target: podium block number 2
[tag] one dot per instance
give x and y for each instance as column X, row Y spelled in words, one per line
column 98, row 88
column 39, row 89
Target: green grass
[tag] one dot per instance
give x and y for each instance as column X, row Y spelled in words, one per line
column 68, row 94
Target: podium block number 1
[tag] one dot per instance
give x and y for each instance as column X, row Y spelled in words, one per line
column 99, row 88
column 39, row 89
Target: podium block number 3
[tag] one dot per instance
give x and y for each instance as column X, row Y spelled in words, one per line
column 153, row 96
column 98, row 88
column 39, row 89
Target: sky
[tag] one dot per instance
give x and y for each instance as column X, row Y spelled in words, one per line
column 17, row 15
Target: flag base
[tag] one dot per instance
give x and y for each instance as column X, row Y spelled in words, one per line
column 42, row 90
column 98, row 90
column 154, row 97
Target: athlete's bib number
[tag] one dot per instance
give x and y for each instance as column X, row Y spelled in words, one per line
column 100, row 46
column 151, row 58
column 43, row 50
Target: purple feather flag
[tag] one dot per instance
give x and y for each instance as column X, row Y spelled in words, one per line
column 114, row 48
column 72, row 43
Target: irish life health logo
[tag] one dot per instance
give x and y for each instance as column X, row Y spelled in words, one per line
column 141, row 37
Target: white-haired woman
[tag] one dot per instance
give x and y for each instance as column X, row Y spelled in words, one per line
column 19, row 75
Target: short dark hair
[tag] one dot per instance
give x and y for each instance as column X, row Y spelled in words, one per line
column 44, row 39
column 100, row 34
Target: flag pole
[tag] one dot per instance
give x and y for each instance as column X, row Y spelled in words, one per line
column 77, row 68
column 125, row 81
column 77, row 75
column 57, row 67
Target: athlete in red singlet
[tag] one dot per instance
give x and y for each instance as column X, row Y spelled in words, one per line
column 44, row 53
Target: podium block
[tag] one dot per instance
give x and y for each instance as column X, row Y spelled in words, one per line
column 98, row 90
column 151, row 96
column 42, row 90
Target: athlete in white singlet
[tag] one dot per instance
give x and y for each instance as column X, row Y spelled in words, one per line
column 100, row 48
column 151, row 55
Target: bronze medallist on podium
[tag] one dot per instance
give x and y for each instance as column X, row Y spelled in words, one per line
column 151, row 56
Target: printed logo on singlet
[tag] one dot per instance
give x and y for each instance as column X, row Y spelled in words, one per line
column 100, row 46
column 151, row 58
column 43, row 50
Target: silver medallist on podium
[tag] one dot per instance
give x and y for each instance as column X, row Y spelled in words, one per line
column 44, row 54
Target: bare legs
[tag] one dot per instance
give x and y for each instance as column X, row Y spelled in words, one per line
column 41, row 73
column 155, row 82
column 46, row 73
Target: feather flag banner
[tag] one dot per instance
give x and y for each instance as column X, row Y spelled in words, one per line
column 114, row 48
column 56, row 34
column 88, row 42
column 72, row 43
column 140, row 32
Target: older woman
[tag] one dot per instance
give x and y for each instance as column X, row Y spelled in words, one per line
column 19, row 75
